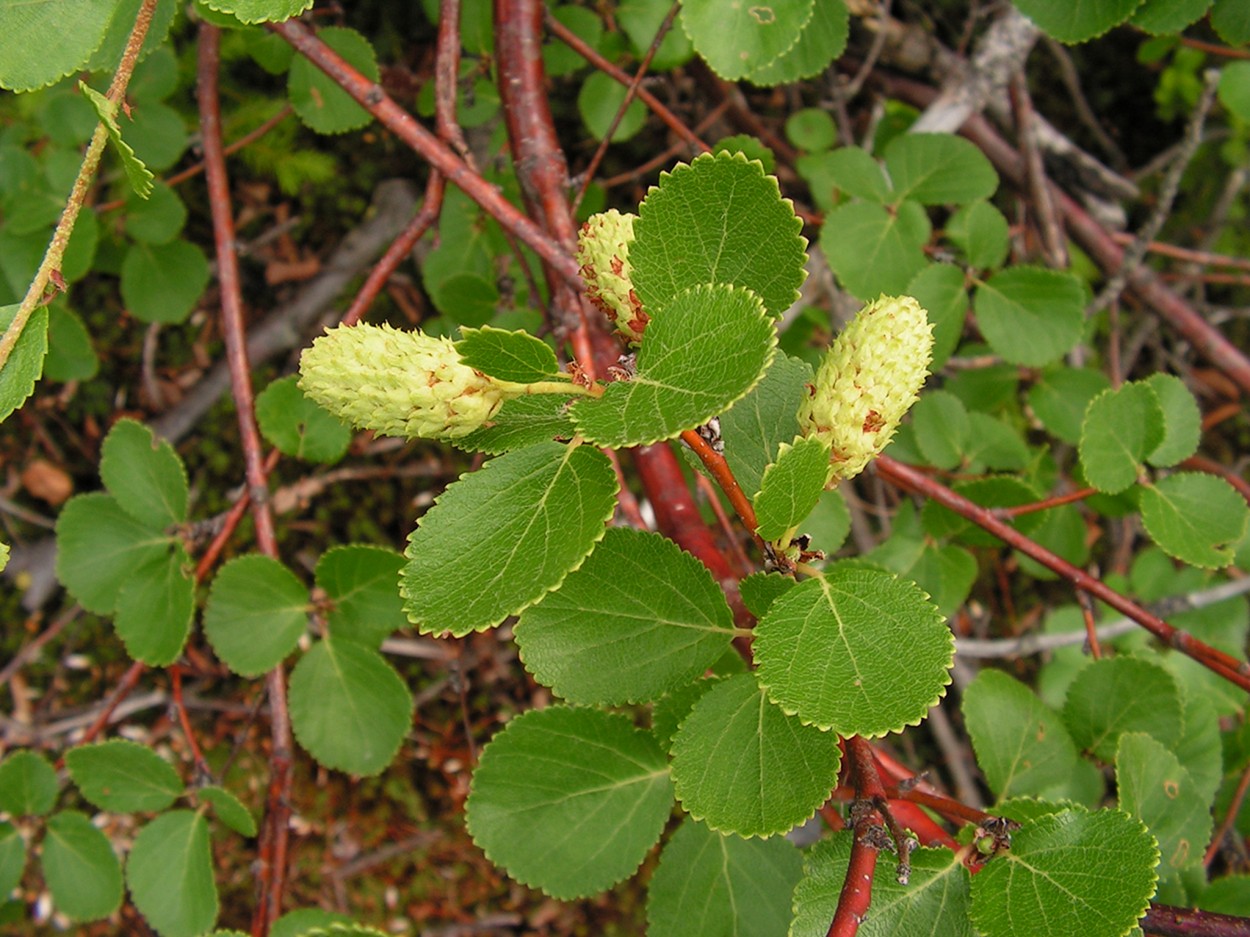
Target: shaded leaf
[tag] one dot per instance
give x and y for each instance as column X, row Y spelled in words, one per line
column 123, row 776
column 169, row 873
column 257, row 609
column 80, row 868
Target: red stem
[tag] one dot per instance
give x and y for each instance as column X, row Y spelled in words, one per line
column 857, row 887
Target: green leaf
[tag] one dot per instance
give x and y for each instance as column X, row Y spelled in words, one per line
column 159, row 135
column 508, row 356
column 934, row 903
column 71, row 356
column 754, row 427
column 995, row 445
column 854, row 171
column 488, row 549
column 159, row 218
column 739, row 39
column 99, row 547
column 257, row 610
column 520, row 422
column 569, row 800
column 943, row 430
column 702, row 352
column 822, row 40
column 25, row 364
column 12, row 857
column 154, row 609
column 827, row 652
column 1231, row 21
column 1200, row 749
column 1062, row 395
column 710, row 885
column 981, row 232
column 993, row 491
column 1076, row 22
column 297, row 426
column 123, row 777
column 349, row 708
column 139, row 176
column 829, row 523
column 719, row 220
column 1195, row 517
column 163, row 282
column 743, row 766
column 1030, row 315
column 872, row 250
column 598, row 103
column 302, row 921
column 1122, row 694
column 1121, row 427
column 80, row 868
column 45, row 40
column 170, row 875
column 229, row 809
column 638, row 618
column 791, row 486
column 317, row 99
column 1154, row 787
column 144, row 474
column 1160, row 17
column 360, row 582
column 260, row 11
column 1182, row 421
column 1021, row 744
column 109, row 54
column 27, row 784
column 938, row 169
column 940, row 289
column 760, row 590
column 1070, row 872
column 811, row 128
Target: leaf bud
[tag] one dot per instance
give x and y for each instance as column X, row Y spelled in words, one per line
column 868, row 380
column 603, row 253
column 399, row 383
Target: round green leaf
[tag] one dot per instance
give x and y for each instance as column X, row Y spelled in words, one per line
column 638, row 618
column 257, row 609
column 827, row 652
column 302, row 921
column 25, row 364
column 1160, row 17
column 229, row 810
column 509, row 356
column 317, row 99
column 569, row 800
column 466, row 298
column 1070, row 872
column 640, row 20
column 1231, row 21
column 981, row 232
column 71, row 356
column 791, row 486
column 123, row 776
column 1122, row 694
column 1182, row 421
column 170, row 875
column 872, row 250
column 260, row 11
column 1076, row 22
column 709, row 885
column 743, row 766
column 560, row 60
column 822, row 40
column 719, row 220
column 159, row 136
column 163, row 282
column 155, row 608
column 157, row 219
column 1030, row 315
column 940, row 289
column 349, row 708
column 297, row 426
column 1195, row 517
column 99, row 547
column 938, row 169
column 1121, row 427
column 811, row 129
column 27, row 784
column 737, row 39
column 144, row 474
column 360, row 582
column 702, row 352
column 80, row 868
column 942, row 427
column 1062, row 395
column 486, row 549
column 599, row 101
column 935, row 902
column 853, row 171
column 30, row 58
column 12, row 857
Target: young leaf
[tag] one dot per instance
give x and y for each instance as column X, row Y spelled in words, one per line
column 1195, row 517
column 27, row 784
column 1076, row 22
column 719, row 220
column 743, row 766
column 260, row 11
column 139, row 176
column 1021, row 744
column 1155, row 787
column 791, row 486
column 80, row 868
column 154, row 609
column 1069, row 872
column 1182, row 421
column 360, row 583
column 99, row 547
column 1122, row 694
column 229, row 810
column 1030, row 315
column 935, row 902
column 170, row 875
column 163, row 282
column 737, row 40
column 708, row 885
column 123, row 776
column 938, row 169
column 317, row 99
column 12, row 857
column 874, row 251
column 638, row 618
column 297, row 426
column 349, row 708
column 29, row 59
column 703, row 351
column 569, row 800
column 508, row 356
column 1120, row 429
column 144, row 474
column 822, row 40
column 828, row 652
column 755, row 426
column 17, row 378
column 257, row 609
column 520, row 422
column 489, row 548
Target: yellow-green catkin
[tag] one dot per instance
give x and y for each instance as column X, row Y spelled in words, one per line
column 603, row 253
column 868, row 380
column 399, row 383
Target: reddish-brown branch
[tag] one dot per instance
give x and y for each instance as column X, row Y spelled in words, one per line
column 1164, row 921
column 856, row 892
column 197, row 756
column 905, row 476
column 128, row 682
column 1057, row 501
column 1230, row 818
column 715, row 463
